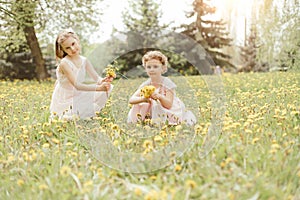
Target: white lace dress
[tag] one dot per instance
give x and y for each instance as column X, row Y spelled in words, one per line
column 68, row 102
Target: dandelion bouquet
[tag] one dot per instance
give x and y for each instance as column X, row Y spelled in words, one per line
column 147, row 91
column 111, row 71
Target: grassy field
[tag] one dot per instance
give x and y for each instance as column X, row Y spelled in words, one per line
column 257, row 156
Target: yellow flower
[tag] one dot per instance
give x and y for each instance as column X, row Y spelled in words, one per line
column 20, row 182
column 46, row 145
column 157, row 138
column 116, row 142
column 56, row 141
column 110, row 71
column 65, row 170
column 152, row 195
column 43, row 187
column 147, row 91
column 138, row 191
column 178, row 168
column 147, row 144
column 190, row 184
column 255, row 140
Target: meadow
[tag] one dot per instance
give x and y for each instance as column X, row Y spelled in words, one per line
column 256, row 155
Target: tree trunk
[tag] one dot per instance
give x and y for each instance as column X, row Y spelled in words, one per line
column 38, row 60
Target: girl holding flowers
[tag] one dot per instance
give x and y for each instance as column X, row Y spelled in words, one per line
column 156, row 97
column 71, row 96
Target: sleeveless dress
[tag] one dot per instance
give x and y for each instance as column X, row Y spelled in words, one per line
column 159, row 114
column 68, row 102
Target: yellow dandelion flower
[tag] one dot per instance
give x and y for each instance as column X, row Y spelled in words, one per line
column 294, row 113
column 146, row 151
column 25, row 156
column 147, row 91
column 197, row 128
column 277, row 111
column 46, row 145
column 79, row 175
column 157, row 138
column 114, row 127
column 20, row 182
column 55, row 140
column 272, row 151
column 116, row 142
column 138, row 191
column 163, row 133
column 110, row 71
column 178, row 168
column 228, row 160
column 255, row 140
column 275, row 146
column 152, row 195
column 64, row 170
column 248, row 131
column 153, row 178
column 190, row 184
column 43, row 187
column 223, row 164
column 284, row 134
column 69, row 144
column 147, row 144
column 88, row 183
column 231, row 196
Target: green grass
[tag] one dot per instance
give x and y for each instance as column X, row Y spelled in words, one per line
column 257, row 155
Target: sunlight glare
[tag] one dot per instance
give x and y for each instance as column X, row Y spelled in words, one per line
column 242, row 7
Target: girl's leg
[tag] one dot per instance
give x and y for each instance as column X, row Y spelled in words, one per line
column 158, row 114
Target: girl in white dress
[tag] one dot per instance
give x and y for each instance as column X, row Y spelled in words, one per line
column 71, row 96
column 163, row 105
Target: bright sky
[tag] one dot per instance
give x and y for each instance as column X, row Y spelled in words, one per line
column 174, row 10
column 113, row 15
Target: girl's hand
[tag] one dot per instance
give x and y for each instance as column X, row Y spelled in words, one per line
column 108, row 79
column 156, row 96
column 146, row 100
column 104, row 86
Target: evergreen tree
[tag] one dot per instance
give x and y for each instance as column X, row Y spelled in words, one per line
column 249, row 54
column 142, row 30
column 211, row 34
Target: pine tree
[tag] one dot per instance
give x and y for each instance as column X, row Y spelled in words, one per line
column 249, row 55
column 142, row 30
column 143, row 20
column 211, row 34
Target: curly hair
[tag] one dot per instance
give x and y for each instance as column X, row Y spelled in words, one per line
column 157, row 55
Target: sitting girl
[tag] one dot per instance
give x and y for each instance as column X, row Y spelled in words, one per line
column 71, row 96
column 162, row 106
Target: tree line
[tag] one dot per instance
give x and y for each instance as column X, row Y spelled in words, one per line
column 273, row 40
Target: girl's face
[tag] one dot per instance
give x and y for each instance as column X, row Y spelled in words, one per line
column 154, row 68
column 71, row 46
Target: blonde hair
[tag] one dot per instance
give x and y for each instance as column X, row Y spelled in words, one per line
column 157, row 55
column 62, row 36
